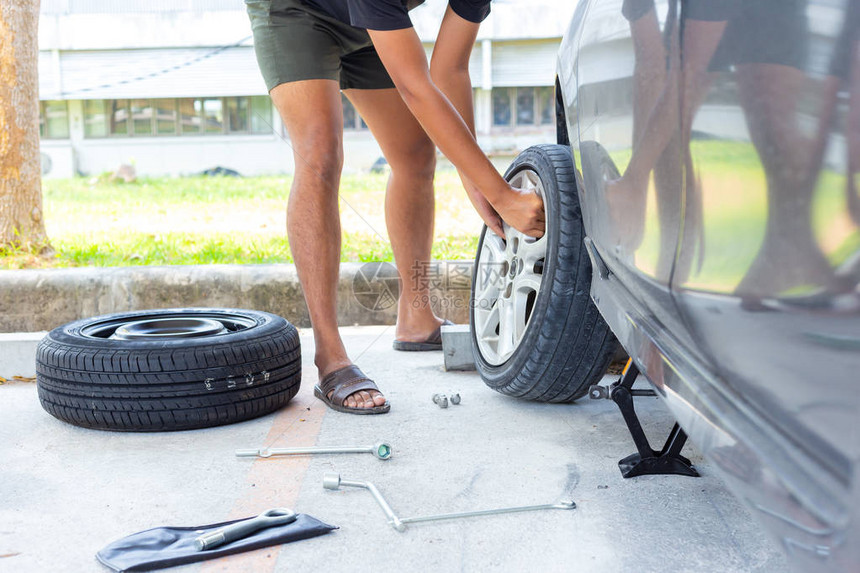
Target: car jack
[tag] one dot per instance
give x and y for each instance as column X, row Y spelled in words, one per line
column 646, row 461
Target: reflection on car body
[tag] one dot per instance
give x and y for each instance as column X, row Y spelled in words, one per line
column 719, row 146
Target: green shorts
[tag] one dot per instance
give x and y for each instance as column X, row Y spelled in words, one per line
column 294, row 42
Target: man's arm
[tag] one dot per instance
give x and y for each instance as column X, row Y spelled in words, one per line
column 449, row 70
column 403, row 56
column 449, row 65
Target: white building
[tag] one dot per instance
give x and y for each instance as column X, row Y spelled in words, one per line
column 172, row 86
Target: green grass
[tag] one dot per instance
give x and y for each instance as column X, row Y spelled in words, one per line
column 131, row 249
column 221, row 220
column 147, row 192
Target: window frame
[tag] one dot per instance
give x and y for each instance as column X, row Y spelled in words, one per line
column 537, row 108
column 511, row 109
column 111, row 105
column 43, row 121
column 358, row 122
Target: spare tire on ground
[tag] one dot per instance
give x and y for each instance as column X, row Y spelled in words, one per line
column 176, row 369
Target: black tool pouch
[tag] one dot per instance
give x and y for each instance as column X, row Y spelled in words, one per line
column 168, row 546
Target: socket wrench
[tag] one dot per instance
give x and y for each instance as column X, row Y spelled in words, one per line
column 381, row 451
column 333, row 481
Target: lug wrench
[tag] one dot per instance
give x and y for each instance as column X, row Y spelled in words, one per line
column 242, row 529
column 381, row 451
column 333, row 481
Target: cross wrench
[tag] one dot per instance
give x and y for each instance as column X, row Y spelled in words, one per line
column 381, row 451
column 333, row 481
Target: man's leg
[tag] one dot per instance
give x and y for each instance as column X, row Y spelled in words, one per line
column 409, row 202
column 312, row 113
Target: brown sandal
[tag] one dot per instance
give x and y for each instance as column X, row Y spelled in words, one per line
column 344, row 382
column 432, row 342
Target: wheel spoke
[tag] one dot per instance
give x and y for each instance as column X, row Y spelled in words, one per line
column 507, row 325
column 510, row 235
column 487, row 285
column 523, row 286
column 531, row 251
column 507, row 265
column 531, row 181
column 495, row 248
column 487, row 329
column 526, row 283
column 488, row 277
column 527, row 180
column 488, row 293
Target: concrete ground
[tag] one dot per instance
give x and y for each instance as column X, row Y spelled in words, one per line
column 65, row 492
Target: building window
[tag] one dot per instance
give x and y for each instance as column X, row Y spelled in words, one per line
column 118, row 114
column 189, row 120
column 521, row 107
column 237, row 114
column 351, row 118
column 525, row 106
column 186, row 116
column 95, row 118
column 261, row 114
column 501, row 106
column 546, row 103
column 249, row 114
column 165, row 116
column 141, row 117
column 53, row 120
column 213, row 115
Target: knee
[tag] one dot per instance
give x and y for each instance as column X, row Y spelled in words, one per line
column 320, row 158
column 426, row 156
column 417, row 160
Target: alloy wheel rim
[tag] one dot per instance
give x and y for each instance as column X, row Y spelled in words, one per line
column 508, row 280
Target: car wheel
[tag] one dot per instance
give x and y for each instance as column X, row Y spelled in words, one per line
column 175, row 369
column 536, row 333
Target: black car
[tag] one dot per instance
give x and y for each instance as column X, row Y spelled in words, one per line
column 703, row 211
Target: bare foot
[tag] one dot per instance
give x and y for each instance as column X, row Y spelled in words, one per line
column 414, row 330
column 360, row 399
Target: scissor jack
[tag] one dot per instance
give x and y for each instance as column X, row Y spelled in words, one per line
column 646, row 461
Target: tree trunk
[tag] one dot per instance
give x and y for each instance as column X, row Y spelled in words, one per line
column 21, row 223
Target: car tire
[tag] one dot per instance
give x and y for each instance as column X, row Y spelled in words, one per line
column 160, row 370
column 566, row 345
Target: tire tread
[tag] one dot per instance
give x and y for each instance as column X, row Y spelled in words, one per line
column 92, row 383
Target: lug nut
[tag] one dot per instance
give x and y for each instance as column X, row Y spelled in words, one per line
column 441, row 400
column 455, row 398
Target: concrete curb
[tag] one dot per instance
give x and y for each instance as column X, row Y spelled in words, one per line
column 18, row 354
column 39, row 300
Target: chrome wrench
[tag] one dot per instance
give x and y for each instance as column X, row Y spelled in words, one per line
column 244, row 528
column 381, row 451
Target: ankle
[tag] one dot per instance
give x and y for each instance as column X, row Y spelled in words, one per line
column 415, row 305
column 329, row 358
column 328, row 365
column 417, row 321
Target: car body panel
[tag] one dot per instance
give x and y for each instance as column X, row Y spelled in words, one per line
column 600, row 124
column 729, row 267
